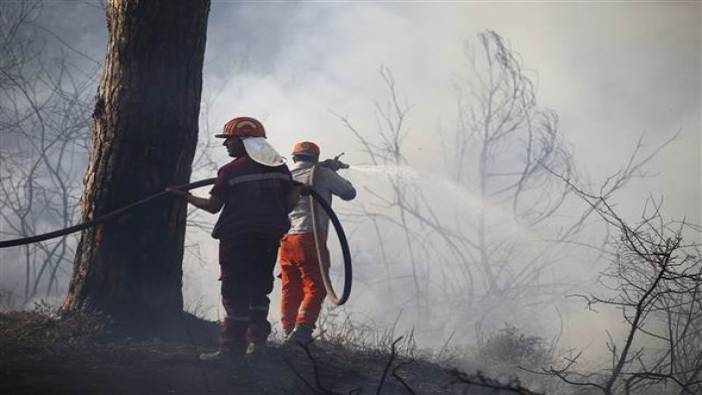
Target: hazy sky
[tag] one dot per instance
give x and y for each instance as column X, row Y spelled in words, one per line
column 611, row 70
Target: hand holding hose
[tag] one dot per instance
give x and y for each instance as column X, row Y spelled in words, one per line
column 334, row 164
column 177, row 192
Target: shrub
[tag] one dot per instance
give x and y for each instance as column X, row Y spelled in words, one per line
column 509, row 347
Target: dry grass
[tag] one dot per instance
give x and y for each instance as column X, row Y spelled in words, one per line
column 41, row 351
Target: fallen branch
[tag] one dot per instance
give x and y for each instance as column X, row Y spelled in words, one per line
column 318, row 388
column 387, row 365
column 400, row 379
column 481, row 380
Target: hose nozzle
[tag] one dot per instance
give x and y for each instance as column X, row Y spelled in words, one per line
column 334, row 164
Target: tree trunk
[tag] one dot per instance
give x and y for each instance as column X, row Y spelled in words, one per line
column 145, row 128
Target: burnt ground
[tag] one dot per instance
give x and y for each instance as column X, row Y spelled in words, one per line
column 40, row 353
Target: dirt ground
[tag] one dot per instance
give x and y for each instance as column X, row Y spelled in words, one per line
column 77, row 355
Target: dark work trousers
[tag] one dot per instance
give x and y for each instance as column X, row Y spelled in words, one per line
column 247, row 261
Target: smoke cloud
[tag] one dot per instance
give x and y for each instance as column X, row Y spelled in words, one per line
column 612, row 73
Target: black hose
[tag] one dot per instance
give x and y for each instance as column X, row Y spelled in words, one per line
column 99, row 220
column 319, row 243
column 114, row 214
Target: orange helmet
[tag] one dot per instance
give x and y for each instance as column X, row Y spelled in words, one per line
column 242, row 127
column 306, row 148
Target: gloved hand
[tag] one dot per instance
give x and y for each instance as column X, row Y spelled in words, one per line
column 330, row 164
column 334, row 164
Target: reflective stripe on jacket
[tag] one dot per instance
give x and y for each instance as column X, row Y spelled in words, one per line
column 255, row 198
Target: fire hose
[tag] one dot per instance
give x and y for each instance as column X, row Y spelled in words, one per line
column 323, row 262
column 320, row 241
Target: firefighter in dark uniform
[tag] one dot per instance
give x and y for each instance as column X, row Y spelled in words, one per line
column 255, row 193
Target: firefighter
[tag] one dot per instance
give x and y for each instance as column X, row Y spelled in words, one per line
column 303, row 290
column 254, row 193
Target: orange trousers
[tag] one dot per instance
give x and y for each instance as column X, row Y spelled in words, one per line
column 303, row 289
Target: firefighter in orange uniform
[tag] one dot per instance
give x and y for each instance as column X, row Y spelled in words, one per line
column 303, row 290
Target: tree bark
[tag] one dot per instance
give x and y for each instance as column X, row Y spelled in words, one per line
column 145, row 128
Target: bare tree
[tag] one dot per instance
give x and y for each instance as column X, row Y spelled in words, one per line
column 497, row 153
column 655, row 280
column 43, row 128
column 491, row 253
column 391, row 125
column 500, row 145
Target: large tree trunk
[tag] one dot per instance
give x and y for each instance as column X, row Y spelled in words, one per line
column 144, row 137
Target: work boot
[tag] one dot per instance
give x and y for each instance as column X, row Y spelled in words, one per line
column 301, row 335
column 220, row 356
